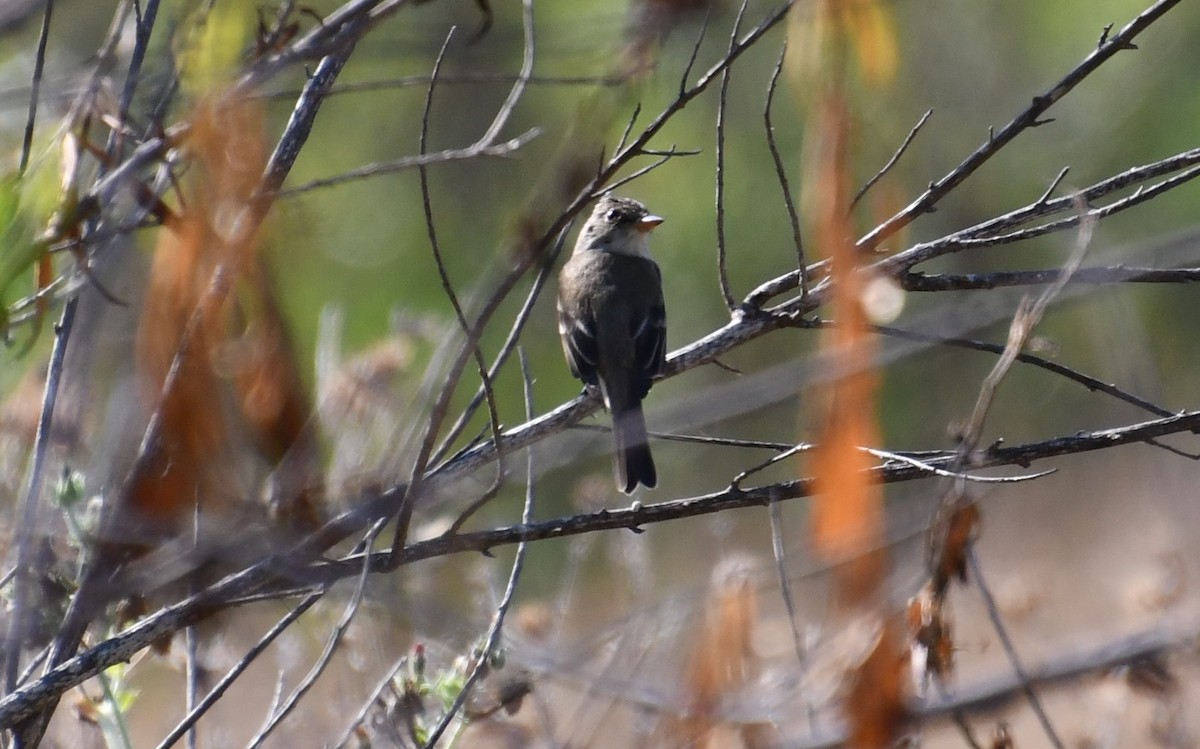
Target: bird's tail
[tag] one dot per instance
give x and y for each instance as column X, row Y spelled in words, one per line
column 632, row 462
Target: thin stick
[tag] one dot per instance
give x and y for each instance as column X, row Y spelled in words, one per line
column 192, row 677
column 1030, row 117
column 722, row 255
column 892, row 161
column 665, row 157
column 141, row 43
column 438, row 412
column 1023, row 323
column 781, row 173
column 376, row 692
column 444, row 275
column 687, row 69
column 35, row 87
column 19, row 618
column 493, row 635
column 1091, row 383
column 779, row 551
column 1027, row 317
column 1010, row 649
column 331, row 645
column 1112, row 274
column 458, row 79
column 238, row 668
column 506, row 349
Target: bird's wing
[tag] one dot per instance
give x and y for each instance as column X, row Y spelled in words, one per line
column 579, row 345
column 649, row 332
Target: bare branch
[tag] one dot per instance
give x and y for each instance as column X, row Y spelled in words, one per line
column 237, row 670
column 510, row 342
column 331, row 645
column 895, row 158
column 491, row 150
column 448, row 288
column 719, row 172
column 35, row 86
column 19, row 618
column 781, row 174
column 1010, row 649
column 1091, row 383
column 493, row 635
column 1112, row 274
column 1029, row 117
column 441, row 404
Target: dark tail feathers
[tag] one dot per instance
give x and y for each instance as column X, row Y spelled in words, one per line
column 632, row 462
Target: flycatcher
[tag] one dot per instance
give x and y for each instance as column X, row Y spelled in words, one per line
column 614, row 325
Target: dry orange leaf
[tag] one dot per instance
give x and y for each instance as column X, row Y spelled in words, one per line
column 875, row 705
column 847, row 514
column 721, row 660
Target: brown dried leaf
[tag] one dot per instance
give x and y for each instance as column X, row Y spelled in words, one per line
column 1152, row 675
column 183, row 324
column 957, row 532
column 847, row 514
column 721, row 660
column 875, row 704
column 932, row 635
column 1002, row 739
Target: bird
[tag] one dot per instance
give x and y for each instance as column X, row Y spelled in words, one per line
column 613, row 325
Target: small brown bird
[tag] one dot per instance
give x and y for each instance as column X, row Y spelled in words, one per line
column 614, row 326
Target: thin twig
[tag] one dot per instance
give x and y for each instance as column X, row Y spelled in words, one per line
column 457, row 79
column 698, row 439
column 773, row 460
column 331, row 645
column 237, row 669
column 781, row 172
column 1062, row 174
column 1113, row 274
column 1024, row 321
column 1091, row 383
column 637, row 111
column 437, row 413
column 1027, row 317
column 960, row 720
column 493, row 635
column 143, row 27
column 35, row 87
column 779, row 552
column 448, row 286
column 957, row 475
column 892, row 161
column 23, row 530
column 506, row 349
column 719, row 171
column 1030, row 117
column 664, row 157
column 518, row 87
column 1010, row 649
column 192, row 677
column 687, row 69
column 389, row 675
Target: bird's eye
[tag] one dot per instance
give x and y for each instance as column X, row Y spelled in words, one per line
column 611, row 215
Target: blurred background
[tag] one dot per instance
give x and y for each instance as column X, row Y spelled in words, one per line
column 605, row 624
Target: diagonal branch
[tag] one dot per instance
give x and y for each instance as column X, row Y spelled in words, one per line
column 1030, row 117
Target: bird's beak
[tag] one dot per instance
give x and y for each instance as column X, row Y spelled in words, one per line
column 646, row 224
